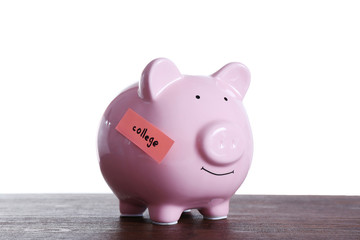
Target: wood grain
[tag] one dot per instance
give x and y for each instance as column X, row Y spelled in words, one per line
column 96, row 216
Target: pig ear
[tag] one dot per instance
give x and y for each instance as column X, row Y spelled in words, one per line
column 236, row 75
column 157, row 75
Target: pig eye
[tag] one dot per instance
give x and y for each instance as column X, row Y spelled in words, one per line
column 225, row 98
column 197, row 97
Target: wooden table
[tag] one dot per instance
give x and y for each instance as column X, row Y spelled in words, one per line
column 96, row 216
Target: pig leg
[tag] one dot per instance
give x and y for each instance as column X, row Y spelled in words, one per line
column 165, row 214
column 129, row 208
column 216, row 212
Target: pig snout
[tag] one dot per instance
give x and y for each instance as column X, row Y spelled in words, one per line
column 221, row 143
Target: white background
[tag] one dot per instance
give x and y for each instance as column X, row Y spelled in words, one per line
column 62, row 62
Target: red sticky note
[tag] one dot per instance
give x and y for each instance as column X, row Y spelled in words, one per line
column 145, row 135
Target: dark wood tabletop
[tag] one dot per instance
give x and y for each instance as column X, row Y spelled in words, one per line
column 96, row 216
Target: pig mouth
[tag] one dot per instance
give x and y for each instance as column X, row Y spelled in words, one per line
column 217, row 174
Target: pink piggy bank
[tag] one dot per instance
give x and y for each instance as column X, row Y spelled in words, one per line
column 176, row 142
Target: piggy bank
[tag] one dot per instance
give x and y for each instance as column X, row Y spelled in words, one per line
column 177, row 142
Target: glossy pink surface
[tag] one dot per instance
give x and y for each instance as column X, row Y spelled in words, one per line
column 212, row 149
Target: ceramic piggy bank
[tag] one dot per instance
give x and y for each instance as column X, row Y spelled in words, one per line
column 176, row 142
